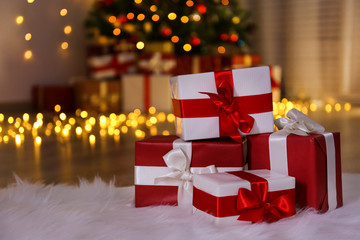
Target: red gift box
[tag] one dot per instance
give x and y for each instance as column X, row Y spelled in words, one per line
column 251, row 196
column 152, row 166
column 318, row 178
column 198, row 64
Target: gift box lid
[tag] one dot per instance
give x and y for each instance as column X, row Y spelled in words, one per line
column 225, row 184
column 247, row 82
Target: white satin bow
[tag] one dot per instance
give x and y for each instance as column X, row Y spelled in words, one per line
column 179, row 163
column 298, row 124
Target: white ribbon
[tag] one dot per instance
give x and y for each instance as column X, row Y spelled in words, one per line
column 179, row 161
column 300, row 124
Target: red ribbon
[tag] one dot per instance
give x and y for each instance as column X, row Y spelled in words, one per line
column 230, row 118
column 274, row 83
column 115, row 65
column 255, row 206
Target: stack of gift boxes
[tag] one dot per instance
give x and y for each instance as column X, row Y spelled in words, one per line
column 202, row 168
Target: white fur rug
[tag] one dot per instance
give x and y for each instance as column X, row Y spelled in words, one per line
column 102, row 211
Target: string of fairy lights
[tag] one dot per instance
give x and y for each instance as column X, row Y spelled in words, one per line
column 28, row 54
column 89, row 127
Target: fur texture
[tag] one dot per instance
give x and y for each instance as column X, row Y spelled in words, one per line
column 101, row 211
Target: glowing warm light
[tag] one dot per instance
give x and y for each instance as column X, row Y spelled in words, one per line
column 153, row 8
column 63, row 12
column 2, row 117
column 189, row 3
column 112, row 19
column 116, row 31
column 72, row 121
column 161, row 117
column 102, row 132
column 347, row 107
column 67, row 29
column 21, row 130
column 153, row 120
column 57, row 129
column 196, row 17
column 124, row 129
column 26, row 117
column 19, row 19
column 28, row 54
column 83, row 114
column 18, row 140
column 328, row 108
column 184, row 19
column 65, row 132
column 137, row 1
column 155, row 17
column 170, row 117
column 62, row 116
column 64, row 45
column 166, row 133
column 57, row 108
column 140, row 45
column 122, row 117
column 153, row 130
column 139, row 133
column 141, row 17
column 28, row 36
column 130, row 15
column 313, row 107
column 78, row 131
column 225, row 2
column 175, row 39
column 221, row 50
column 187, row 47
column 10, row 120
column 38, row 140
column 92, row 121
column 92, row 139
column 236, row 20
column 234, row 37
column 30, row 1
column 337, row 107
column 6, row 139
column 88, row 127
column 152, row 110
column 141, row 120
column 172, row 16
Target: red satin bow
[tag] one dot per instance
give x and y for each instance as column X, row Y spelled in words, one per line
column 255, row 207
column 231, row 119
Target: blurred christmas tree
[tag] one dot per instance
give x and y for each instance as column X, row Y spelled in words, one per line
column 192, row 26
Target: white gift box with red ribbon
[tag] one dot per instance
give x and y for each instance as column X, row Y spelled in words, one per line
column 228, row 103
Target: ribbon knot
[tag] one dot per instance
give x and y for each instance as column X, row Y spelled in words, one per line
column 297, row 123
column 179, row 163
column 230, row 117
column 255, row 206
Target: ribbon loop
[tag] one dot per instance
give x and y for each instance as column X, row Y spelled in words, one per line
column 297, row 123
column 255, row 206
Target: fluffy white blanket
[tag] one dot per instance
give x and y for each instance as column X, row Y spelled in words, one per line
column 102, row 211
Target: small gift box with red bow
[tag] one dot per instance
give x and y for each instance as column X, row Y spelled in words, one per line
column 218, row 104
column 303, row 150
column 143, row 91
column 250, row 196
column 165, row 165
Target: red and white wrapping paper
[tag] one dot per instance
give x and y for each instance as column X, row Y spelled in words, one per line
column 269, row 197
column 164, row 167
column 303, row 150
column 247, row 95
column 111, row 65
column 143, row 91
